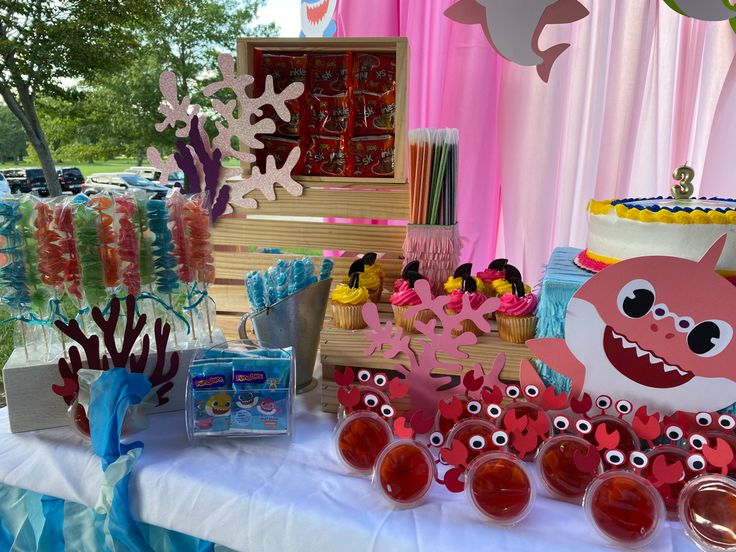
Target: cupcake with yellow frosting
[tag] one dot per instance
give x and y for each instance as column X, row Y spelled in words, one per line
column 406, row 297
column 502, row 286
column 347, row 304
column 455, row 305
column 495, row 271
column 372, row 266
column 455, row 282
column 368, row 280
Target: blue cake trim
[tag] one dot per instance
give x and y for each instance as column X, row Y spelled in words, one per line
column 655, row 208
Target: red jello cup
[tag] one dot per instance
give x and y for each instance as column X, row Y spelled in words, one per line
column 624, row 508
column 671, row 491
column 533, row 412
column 708, row 512
column 729, row 438
column 445, row 425
column 628, row 440
column 371, row 400
column 359, row 439
column 558, row 471
column 499, row 486
column 404, row 472
column 476, row 435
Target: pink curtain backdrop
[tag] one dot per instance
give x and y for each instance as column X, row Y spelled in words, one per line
column 640, row 90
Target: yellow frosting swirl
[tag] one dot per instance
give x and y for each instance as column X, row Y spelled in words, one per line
column 368, row 280
column 376, row 269
column 696, row 216
column 457, row 283
column 346, row 295
column 502, row 286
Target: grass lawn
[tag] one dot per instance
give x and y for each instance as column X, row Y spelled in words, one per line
column 6, row 347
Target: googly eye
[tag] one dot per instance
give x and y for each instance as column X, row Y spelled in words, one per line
column 638, row 459
column 623, row 407
column 493, row 410
column 477, row 442
column 380, row 380
column 500, row 438
column 673, row 432
column 603, row 402
column 583, row 426
column 726, row 421
column 387, row 410
column 615, row 457
column 370, row 400
column 703, row 419
column 474, row 407
column 697, row 441
column 696, row 462
column 364, row 376
column 531, row 391
column 561, row 422
column 437, row 439
column 512, row 391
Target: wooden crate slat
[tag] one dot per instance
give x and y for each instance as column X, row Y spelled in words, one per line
column 234, row 265
column 345, row 203
column 354, row 182
column 228, row 323
column 309, row 235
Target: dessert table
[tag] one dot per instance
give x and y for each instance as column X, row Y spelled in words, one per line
column 265, row 495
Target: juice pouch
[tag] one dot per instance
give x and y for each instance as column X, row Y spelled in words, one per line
column 372, row 156
column 374, row 72
column 374, row 113
column 328, row 114
column 328, row 73
column 212, row 410
column 326, row 156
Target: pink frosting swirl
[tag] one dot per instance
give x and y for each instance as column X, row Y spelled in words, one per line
column 401, row 284
column 406, row 297
column 488, row 275
column 513, row 305
column 456, row 300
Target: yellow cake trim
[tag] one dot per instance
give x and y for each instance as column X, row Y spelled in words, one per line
column 611, row 260
column 696, row 216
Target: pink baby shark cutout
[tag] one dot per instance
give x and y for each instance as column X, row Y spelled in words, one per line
column 657, row 331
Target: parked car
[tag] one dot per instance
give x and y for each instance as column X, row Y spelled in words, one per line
column 70, row 179
column 122, row 181
column 4, row 187
column 176, row 178
column 27, row 180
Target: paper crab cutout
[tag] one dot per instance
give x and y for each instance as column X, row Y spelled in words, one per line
column 115, row 353
column 513, row 28
column 419, row 367
column 201, row 158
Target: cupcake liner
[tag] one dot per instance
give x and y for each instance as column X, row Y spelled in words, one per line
column 465, row 326
column 407, row 322
column 348, row 317
column 516, row 329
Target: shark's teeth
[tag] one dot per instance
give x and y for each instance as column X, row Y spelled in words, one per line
column 653, row 359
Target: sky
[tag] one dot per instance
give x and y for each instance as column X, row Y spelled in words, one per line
column 285, row 13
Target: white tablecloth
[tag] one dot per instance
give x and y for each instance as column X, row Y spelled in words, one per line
column 261, row 495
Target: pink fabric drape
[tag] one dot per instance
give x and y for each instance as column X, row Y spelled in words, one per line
column 453, row 82
column 641, row 90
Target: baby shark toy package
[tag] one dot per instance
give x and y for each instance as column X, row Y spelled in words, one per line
column 238, row 389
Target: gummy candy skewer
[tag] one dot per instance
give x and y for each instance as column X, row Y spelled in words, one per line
column 64, row 222
column 175, row 204
column 163, row 260
column 197, row 219
column 39, row 295
column 12, row 273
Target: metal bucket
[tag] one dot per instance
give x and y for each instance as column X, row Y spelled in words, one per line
column 294, row 322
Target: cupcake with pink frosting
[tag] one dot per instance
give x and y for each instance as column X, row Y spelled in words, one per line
column 401, row 284
column 495, row 271
column 468, row 289
column 406, row 297
column 516, row 316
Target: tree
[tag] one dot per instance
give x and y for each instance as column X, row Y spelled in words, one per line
column 43, row 42
column 12, row 138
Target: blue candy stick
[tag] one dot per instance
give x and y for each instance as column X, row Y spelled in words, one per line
column 326, row 268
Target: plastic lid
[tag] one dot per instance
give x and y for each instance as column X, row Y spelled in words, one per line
column 360, row 438
column 708, row 512
column 567, row 464
column 404, row 473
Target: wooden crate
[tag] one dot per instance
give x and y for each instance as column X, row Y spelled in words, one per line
column 394, row 45
column 339, row 348
column 299, row 223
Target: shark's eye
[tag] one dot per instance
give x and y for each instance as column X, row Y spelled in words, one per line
column 638, row 459
column 474, row 407
column 709, row 338
column 437, row 438
column 636, row 298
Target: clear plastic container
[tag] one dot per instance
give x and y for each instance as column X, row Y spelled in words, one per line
column 240, row 389
column 359, row 440
column 562, row 476
column 499, row 486
column 477, row 436
column 404, row 472
column 628, row 439
column 670, row 491
column 624, row 508
column 538, row 422
column 708, row 512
